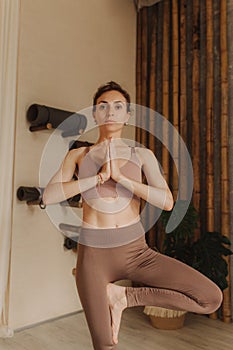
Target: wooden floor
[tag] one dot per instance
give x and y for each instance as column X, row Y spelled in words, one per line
column 71, row 333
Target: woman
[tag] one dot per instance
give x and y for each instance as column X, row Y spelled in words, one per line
column 112, row 242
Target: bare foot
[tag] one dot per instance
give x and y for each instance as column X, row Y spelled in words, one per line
column 117, row 303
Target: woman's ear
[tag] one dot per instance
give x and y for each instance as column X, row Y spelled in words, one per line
column 127, row 118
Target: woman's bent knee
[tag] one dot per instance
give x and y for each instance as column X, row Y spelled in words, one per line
column 215, row 299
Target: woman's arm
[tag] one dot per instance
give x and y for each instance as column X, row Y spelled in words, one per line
column 62, row 186
column 156, row 192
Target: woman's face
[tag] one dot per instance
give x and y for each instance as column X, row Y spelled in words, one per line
column 111, row 109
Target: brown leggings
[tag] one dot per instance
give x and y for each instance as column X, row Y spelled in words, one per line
column 171, row 284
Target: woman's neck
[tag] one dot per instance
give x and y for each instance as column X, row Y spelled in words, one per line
column 110, row 135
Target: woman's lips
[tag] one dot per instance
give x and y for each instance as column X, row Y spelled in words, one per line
column 110, row 121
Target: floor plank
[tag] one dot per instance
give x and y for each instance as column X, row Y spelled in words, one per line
column 71, row 333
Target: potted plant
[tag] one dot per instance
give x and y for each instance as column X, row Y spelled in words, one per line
column 206, row 254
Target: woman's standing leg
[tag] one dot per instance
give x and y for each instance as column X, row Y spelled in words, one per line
column 96, row 268
column 91, row 281
column 171, row 284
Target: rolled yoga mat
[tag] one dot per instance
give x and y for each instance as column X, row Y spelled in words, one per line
column 29, row 193
column 44, row 117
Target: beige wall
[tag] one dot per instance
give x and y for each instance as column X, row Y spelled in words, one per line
column 67, row 48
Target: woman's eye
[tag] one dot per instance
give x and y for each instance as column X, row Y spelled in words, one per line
column 118, row 106
column 102, row 107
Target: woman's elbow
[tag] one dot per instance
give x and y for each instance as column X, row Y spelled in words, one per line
column 46, row 197
column 169, row 203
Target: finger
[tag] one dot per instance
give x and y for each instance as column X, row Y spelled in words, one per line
column 108, row 153
column 112, row 150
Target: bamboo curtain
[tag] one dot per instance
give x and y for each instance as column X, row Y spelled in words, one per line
column 140, row 3
column 182, row 67
column 230, row 108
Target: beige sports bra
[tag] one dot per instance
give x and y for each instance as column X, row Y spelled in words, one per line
column 131, row 169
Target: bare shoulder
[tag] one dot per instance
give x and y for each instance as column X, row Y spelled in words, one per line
column 145, row 155
column 76, row 153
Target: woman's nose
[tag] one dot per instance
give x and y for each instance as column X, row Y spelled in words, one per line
column 110, row 110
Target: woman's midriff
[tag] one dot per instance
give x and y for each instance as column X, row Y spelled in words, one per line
column 109, row 214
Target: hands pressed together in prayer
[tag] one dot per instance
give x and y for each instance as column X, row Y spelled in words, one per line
column 110, row 169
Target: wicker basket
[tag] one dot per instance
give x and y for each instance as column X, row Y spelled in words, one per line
column 162, row 318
